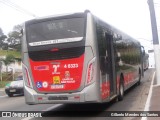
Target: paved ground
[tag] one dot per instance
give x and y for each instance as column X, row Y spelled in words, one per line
column 155, row 101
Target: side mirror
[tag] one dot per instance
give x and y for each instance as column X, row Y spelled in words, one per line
column 143, row 50
column 21, row 33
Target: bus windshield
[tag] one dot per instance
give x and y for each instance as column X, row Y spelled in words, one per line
column 55, row 31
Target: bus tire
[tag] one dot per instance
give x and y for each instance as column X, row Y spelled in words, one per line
column 139, row 78
column 121, row 90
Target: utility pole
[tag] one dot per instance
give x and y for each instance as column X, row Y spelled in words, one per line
column 155, row 40
column 1, row 70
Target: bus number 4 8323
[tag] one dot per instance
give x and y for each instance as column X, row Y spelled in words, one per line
column 71, row 65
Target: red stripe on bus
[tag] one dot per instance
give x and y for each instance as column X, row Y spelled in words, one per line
column 129, row 77
column 105, row 90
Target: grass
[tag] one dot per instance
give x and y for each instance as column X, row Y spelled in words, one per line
column 7, row 78
column 4, row 83
column 16, row 54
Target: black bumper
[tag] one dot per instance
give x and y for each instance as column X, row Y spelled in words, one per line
column 14, row 91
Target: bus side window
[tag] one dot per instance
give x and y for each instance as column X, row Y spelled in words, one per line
column 102, row 64
column 101, row 47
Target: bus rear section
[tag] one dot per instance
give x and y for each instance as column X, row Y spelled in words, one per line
column 58, row 66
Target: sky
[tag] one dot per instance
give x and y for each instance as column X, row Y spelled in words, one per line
column 130, row 16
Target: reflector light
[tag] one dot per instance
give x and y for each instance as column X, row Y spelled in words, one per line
column 89, row 75
column 76, row 97
column 90, row 72
column 55, row 49
column 28, row 81
column 39, row 98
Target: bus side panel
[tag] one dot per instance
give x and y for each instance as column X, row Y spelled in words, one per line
column 101, row 55
column 91, row 42
column 129, row 61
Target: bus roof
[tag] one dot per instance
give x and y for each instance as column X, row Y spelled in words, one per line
column 80, row 14
column 59, row 16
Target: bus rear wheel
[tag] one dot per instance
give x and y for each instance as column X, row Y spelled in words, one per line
column 121, row 91
column 139, row 79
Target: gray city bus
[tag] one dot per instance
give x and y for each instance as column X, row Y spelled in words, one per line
column 77, row 58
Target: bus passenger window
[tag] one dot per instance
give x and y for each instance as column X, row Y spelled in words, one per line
column 103, row 65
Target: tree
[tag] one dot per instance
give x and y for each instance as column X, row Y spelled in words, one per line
column 14, row 38
column 1, row 32
column 2, row 39
column 8, row 60
column 15, row 35
column 17, row 28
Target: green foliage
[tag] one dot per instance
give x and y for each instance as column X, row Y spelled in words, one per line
column 13, row 39
column 7, row 77
column 16, row 47
column 4, row 46
column 3, row 37
column 14, row 34
column 17, row 28
column 9, row 59
column 4, row 83
column 16, row 54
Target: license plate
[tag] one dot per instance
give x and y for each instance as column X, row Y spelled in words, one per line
column 13, row 90
column 57, row 86
column 57, row 98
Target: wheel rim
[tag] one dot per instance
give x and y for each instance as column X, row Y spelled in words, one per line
column 139, row 76
column 121, row 89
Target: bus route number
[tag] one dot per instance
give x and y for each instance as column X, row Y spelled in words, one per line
column 71, row 65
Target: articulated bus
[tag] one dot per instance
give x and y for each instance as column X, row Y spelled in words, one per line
column 78, row 58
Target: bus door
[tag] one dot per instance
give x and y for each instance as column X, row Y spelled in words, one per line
column 110, row 60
